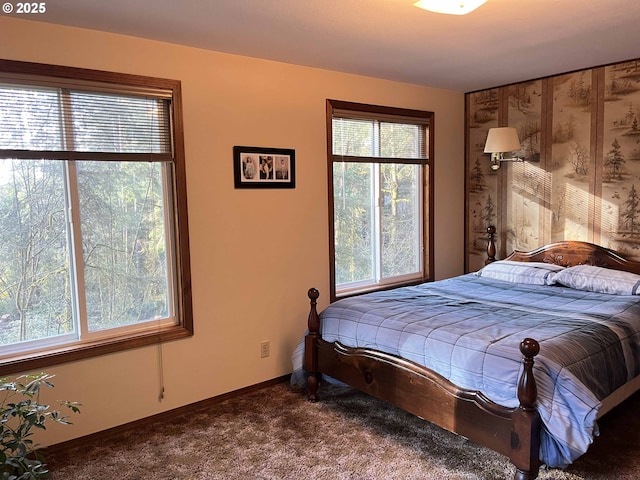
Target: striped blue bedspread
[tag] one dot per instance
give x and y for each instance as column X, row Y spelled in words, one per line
column 468, row 329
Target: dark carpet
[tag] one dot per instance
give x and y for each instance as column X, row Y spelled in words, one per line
column 275, row 433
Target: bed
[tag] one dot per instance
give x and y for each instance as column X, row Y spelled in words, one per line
column 522, row 357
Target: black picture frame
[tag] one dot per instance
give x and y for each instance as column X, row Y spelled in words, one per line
column 263, row 167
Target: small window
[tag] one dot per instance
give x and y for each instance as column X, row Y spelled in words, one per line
column 93, row 239
column 379, row 194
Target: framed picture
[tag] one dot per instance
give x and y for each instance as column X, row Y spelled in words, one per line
column 259, row 167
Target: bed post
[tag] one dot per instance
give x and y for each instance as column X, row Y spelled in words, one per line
column 491, row 245
column 311, row 346
column 525, row 438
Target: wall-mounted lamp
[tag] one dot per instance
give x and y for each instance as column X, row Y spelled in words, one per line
column 499, row 141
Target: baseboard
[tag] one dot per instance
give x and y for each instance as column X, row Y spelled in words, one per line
column 60, row 448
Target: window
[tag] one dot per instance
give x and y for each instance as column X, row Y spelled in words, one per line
column 93, row 228
column 379, row 196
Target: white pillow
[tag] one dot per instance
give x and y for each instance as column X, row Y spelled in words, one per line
column 599, row 279
column 530, row 273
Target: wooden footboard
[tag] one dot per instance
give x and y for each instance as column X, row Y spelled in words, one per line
column 514, row 432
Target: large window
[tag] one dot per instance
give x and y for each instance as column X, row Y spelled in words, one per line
column 93, row 234
column 379, row 191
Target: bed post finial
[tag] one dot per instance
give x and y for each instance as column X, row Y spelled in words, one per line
column 491, row 245
column 527, row 389
column 311, row 345
column 314, row 320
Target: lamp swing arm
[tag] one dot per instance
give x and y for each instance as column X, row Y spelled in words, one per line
column 499, row 157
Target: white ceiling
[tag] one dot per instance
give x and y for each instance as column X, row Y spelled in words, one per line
column 504, row 41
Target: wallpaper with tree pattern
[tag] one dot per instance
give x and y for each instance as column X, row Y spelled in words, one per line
column 580, row 138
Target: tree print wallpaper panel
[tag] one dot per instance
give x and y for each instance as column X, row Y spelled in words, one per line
column 482, row 183
column 620, row 195
column 571, row 164
column 580, row 179
column 527, row 188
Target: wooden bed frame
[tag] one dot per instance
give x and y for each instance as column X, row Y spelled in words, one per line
column 514, row 432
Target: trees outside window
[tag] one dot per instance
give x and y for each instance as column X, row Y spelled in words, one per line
column 93, row 238
column 379, row 192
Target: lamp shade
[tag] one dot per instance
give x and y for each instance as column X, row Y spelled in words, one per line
column 452, row 7
column 502, row 139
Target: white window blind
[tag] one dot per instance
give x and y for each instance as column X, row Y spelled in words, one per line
column 61, row 119
column 378, row 137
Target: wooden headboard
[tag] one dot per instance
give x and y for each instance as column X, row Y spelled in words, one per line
column 566, row 253
column 571, row 252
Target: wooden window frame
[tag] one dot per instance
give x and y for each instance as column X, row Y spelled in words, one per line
column 29, row 361
column 373, row 111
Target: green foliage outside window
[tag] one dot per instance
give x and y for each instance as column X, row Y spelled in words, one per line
column 377, row 211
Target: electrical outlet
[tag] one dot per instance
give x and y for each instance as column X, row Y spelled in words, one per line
column 265, row 349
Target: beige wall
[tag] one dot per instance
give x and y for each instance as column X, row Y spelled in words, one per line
column 254, row 253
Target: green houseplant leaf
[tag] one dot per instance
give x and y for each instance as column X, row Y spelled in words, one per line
column 20, row 413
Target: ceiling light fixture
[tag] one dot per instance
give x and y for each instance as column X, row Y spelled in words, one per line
column 451, row 7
